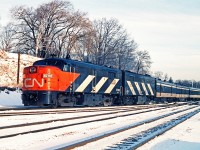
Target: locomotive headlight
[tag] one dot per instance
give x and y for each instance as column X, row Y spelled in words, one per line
column 33, row 70
column 47, row 75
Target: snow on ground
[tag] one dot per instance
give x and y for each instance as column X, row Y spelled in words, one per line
column 8, row 76
column 116, row 139
column 10, row 99
column 55, row 138
column 185, row 136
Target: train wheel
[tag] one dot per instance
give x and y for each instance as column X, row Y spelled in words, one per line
column 55, row 104
column 107, row 102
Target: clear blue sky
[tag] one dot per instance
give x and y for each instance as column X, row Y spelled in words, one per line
column 168, row 29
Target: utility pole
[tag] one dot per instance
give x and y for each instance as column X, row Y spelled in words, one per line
column 18, row 68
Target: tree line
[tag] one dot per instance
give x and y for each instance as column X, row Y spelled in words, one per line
column 57, row 29
column 188, row 83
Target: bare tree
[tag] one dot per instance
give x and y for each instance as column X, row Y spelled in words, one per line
column 25, row 26
column 125, row 53
column 158, row 74
column 106, row 32
column 77, row 30
column 7, row 38
column 143, row 62
column 111, row 44
column 83, row 48
column 56, row 28
column 166, row 77
column 189, row 83
column 50, row 28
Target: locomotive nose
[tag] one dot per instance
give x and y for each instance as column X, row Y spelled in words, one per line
column 39, row 78
column 40, row 85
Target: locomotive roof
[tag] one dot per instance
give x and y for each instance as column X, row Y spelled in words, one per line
column 165, row 82
column 80, row 63
column 172, row 84
column 140, row 75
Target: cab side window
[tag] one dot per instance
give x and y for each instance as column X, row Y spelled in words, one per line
column 66, row 68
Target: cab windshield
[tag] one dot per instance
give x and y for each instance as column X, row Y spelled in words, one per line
column 57, row 63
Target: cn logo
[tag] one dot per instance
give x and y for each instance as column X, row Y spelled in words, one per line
column 32, row 82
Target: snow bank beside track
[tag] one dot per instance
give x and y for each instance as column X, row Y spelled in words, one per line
column 10, row 99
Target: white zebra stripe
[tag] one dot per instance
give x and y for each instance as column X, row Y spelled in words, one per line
column 112, row 85
column 195, row 96
column 145, row 89
column 138, row 88
column 131, row 87
column 85, row 83
column 150, row 89
column 99, row 84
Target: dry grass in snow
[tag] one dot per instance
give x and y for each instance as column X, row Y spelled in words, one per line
column 8, row 68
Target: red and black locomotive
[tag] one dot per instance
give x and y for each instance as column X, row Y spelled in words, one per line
column 64, row 82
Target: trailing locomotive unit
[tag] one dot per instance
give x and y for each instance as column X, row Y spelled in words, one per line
column 65, row 82
column 138, row 89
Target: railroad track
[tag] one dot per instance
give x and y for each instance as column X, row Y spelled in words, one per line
column 65, row 110
column 136, row 140
column 74, row 107
column 115, row 113
column 40, row 111
column 24, row 129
